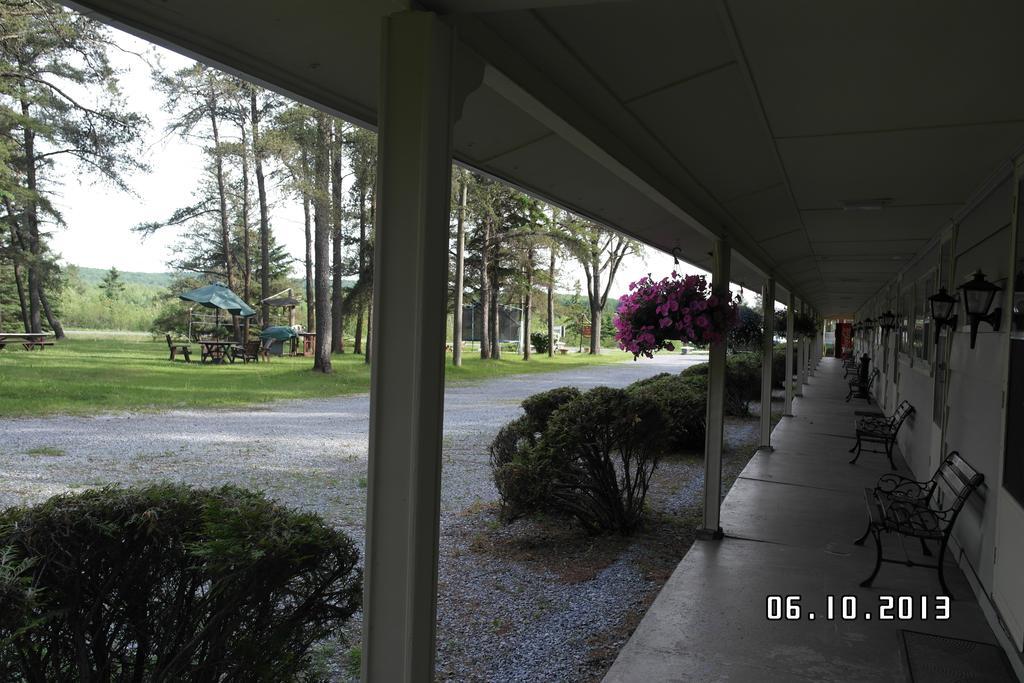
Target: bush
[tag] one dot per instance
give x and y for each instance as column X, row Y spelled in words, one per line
column 742, row 381
column 603, row 449
column 540, row 407
column 683, row 405
column 521, row 474
column 168, row 582
column 540, row 342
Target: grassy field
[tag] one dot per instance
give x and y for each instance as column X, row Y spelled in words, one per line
column 95, row 374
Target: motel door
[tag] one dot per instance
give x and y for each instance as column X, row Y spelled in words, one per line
column 1008, row 591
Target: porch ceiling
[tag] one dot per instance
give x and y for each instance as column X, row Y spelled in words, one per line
column 678, row 121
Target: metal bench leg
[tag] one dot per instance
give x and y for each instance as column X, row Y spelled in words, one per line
column 860, row 541
column 857, row 448
column 925, row 549
column 942, row 571
column 878, row 559
column 849, row 395
column 888, row 452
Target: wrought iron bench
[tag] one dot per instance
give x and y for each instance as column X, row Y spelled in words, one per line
column 861, row 388
column 851, row 366
column 880, row 429
column 911, row 508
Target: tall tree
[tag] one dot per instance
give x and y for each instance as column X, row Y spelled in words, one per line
column 460, row 267
column 322, row 243
column 58, row 100
column 600, row 252
column 337, row 267
column 257, row 111
column 362, row 156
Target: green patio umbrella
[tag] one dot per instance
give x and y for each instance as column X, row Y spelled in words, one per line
column 220, row 297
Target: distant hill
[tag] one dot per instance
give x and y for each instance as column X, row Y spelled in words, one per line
column 93, row 276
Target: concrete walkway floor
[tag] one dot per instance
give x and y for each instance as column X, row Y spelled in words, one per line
column 790, row 521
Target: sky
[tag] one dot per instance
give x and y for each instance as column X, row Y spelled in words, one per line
column 99, row 217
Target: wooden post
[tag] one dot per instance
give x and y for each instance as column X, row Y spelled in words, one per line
column 767, row 353
column 712, row 528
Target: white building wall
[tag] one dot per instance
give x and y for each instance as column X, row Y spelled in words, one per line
column 976, row 379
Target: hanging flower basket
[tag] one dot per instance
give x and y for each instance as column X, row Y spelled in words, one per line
column 678, row 308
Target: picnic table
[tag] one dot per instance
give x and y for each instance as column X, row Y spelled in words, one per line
column 216, row 350
column 30, row 340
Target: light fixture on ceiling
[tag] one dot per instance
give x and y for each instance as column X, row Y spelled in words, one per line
column 864, row 204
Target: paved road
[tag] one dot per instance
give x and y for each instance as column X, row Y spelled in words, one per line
column 267, row 446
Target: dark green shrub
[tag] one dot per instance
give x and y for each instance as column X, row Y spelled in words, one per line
column 539, row 407
column 683, row 404
column 521, row 475
column 169, row 583
column 603, row 448
column 540, row 342
column 742, row 381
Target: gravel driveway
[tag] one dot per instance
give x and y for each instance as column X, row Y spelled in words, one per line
column 497, row 620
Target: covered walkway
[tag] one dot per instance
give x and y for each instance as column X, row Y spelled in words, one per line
column 789, row 521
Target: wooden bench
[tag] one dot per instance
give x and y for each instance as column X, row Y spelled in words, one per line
column 880, row 429
column 926, row 510
column 862, row 389
column 175, row 349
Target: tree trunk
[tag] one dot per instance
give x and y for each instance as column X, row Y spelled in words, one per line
column 485, row 292
column 528, row 305
column 337, row 293
column 32, row 224
column 246, row 245
column 551, row 304
column 17, row 252
column 369, row 324
column 225, row 233
column 322, row 245
column 495, row 315
column 310, row 294
column 26, row 321
column 58, row 329
column 460, row 267
column 358, row 345
column 261, row 188
column 595, row 307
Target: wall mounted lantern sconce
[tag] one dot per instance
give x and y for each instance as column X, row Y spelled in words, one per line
column 942, row 305
column 978, row 296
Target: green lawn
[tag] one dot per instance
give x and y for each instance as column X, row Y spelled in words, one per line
column 110, row 373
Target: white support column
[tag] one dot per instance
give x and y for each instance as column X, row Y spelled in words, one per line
column 407, row 377
column 812, row 345
column 716, row 408
column 802, row 357
column 790, row 345
column 768, row 315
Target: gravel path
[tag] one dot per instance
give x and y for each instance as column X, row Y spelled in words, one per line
column 497, row 620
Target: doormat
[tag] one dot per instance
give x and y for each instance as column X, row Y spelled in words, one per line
column 938, row 659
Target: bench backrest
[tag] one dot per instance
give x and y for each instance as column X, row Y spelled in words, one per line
column 900, row 415
column 871, row 379
column 957, row 478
